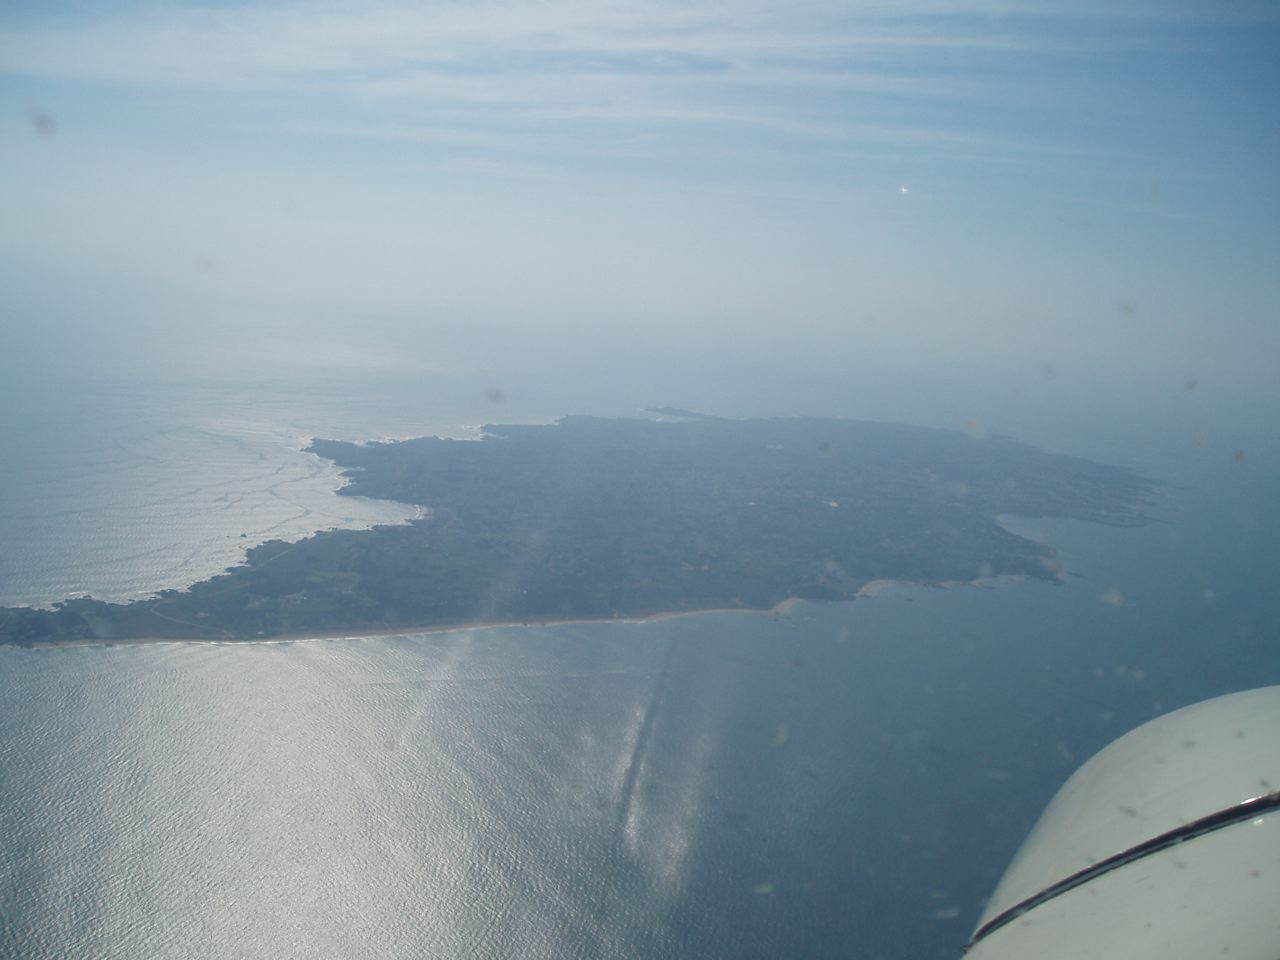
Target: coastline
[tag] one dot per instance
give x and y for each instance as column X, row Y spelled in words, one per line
column 783, row 608
column 878, row 587
column 336, row 585
column 778, row 610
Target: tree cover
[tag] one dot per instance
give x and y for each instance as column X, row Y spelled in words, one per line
column 600, row 518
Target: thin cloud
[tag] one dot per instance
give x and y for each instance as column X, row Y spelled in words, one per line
column 242, row 47
column 859, row 92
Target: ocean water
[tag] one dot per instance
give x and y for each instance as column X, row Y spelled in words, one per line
column 122, row 489
column 847, row 780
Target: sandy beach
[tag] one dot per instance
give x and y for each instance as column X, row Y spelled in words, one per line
column 780, row 609
column 870, row 589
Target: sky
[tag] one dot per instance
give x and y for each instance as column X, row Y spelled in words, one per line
column 911, row 189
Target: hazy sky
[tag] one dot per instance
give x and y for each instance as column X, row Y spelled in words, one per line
column 1070, row 187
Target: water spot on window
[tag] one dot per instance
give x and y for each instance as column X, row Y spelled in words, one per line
column 42, row 123
column 205, row 262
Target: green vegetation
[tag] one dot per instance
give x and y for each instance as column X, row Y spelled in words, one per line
column 591, row 518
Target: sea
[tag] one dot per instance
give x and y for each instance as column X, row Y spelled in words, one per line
column 845, row 780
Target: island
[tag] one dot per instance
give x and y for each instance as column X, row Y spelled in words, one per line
column 591, row 518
